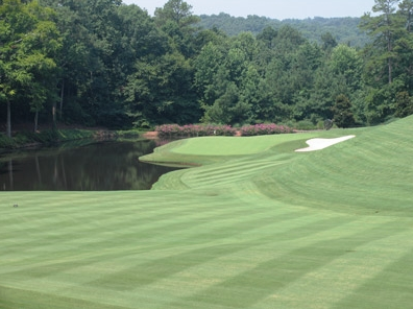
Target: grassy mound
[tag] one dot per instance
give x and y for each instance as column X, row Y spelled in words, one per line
column 367, row 175
column 256, row 226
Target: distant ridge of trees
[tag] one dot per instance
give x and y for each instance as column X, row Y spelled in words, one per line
column 345, row 30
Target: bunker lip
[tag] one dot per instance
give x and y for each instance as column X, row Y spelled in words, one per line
column 321, row 143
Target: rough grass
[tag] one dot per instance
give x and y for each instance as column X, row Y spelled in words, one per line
column 260, row 227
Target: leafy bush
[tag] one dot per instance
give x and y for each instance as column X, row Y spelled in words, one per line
column 305, row 125
column 320, row 125
column 174, row 130
column 44, row 137
column 265, row 129
column 6, row 142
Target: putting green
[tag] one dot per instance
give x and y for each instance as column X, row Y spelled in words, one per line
column 253, row 227
column 229, row 146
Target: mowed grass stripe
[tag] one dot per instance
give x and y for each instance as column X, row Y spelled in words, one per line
column 344, row 276
column 201, row 276
column 233, row 214
column 299, row 229
column 186, row 258
column 11, row 298
column 86, row 237
column 218, row 170
column 253, row 243
column 84, row 224
column 83, row 230
column 281, row 269
column 391, row 288
column 194, row 180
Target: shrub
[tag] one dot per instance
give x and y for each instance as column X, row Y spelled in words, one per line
column 305, row 125
column 169, row 131
column 265, row 129
column 320, row 125
column 6, row 142
column 176, row 131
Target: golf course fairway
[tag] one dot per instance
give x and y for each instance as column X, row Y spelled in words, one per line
column 252, row 224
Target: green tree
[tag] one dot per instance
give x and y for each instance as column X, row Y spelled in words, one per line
column 343, row 115
column 44, row 45
column 404, row 46
column 346, row 62
column 29, row 43
column 406, row 11
column 207, row 65
column 328, row 41
column 228, row 108
column 385, row 30
column 379, row 103
column 176, row 19
column 404, row 104
column 267, row 36
column 257, row 106
column 15, row 22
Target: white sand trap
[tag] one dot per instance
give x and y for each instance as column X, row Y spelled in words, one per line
column 321, row 143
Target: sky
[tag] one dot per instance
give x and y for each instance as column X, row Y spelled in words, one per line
column 278, row 9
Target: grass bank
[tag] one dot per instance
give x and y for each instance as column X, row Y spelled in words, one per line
column 257, row 225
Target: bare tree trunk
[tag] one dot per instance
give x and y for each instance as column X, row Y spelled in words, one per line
column 389, row 60
column 8, row 132
column 62, row 92
column 54, row 114
column 56, row 172
column 390, row 71
column 11, row 178
column 36, row 121
column 63, row 167
column 39, row 173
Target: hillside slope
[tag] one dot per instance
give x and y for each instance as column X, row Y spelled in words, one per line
column 370, row 174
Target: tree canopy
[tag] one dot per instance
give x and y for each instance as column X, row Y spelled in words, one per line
column 110, row 64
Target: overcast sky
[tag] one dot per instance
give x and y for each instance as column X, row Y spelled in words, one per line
column 279, row 9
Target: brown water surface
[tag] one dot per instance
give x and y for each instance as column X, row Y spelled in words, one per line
column 102, row 166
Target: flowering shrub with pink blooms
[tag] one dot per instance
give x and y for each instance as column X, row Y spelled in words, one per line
column 170, row 131
column 265, row 129
column 191, row 130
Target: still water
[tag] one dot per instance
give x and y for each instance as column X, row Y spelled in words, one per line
column 95, row 167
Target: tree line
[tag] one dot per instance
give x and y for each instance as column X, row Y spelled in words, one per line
column 101, row 62
column 344, row 29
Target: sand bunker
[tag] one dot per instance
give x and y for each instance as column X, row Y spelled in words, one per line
column 321, row 143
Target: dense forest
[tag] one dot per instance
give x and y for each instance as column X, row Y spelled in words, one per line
column 101, row 62
column 344, row 30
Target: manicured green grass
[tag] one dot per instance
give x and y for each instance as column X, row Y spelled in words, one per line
column 229, row 146
column 257, row 226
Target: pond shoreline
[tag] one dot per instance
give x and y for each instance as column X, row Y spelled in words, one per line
column 150, row 135
column 29, row 140
column 82, row 165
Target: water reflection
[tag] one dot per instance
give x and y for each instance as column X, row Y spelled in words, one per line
column 103, row 166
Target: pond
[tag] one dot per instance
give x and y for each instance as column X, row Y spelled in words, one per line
column 103, row 166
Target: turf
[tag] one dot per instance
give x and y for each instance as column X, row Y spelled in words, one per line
column 256, row 226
